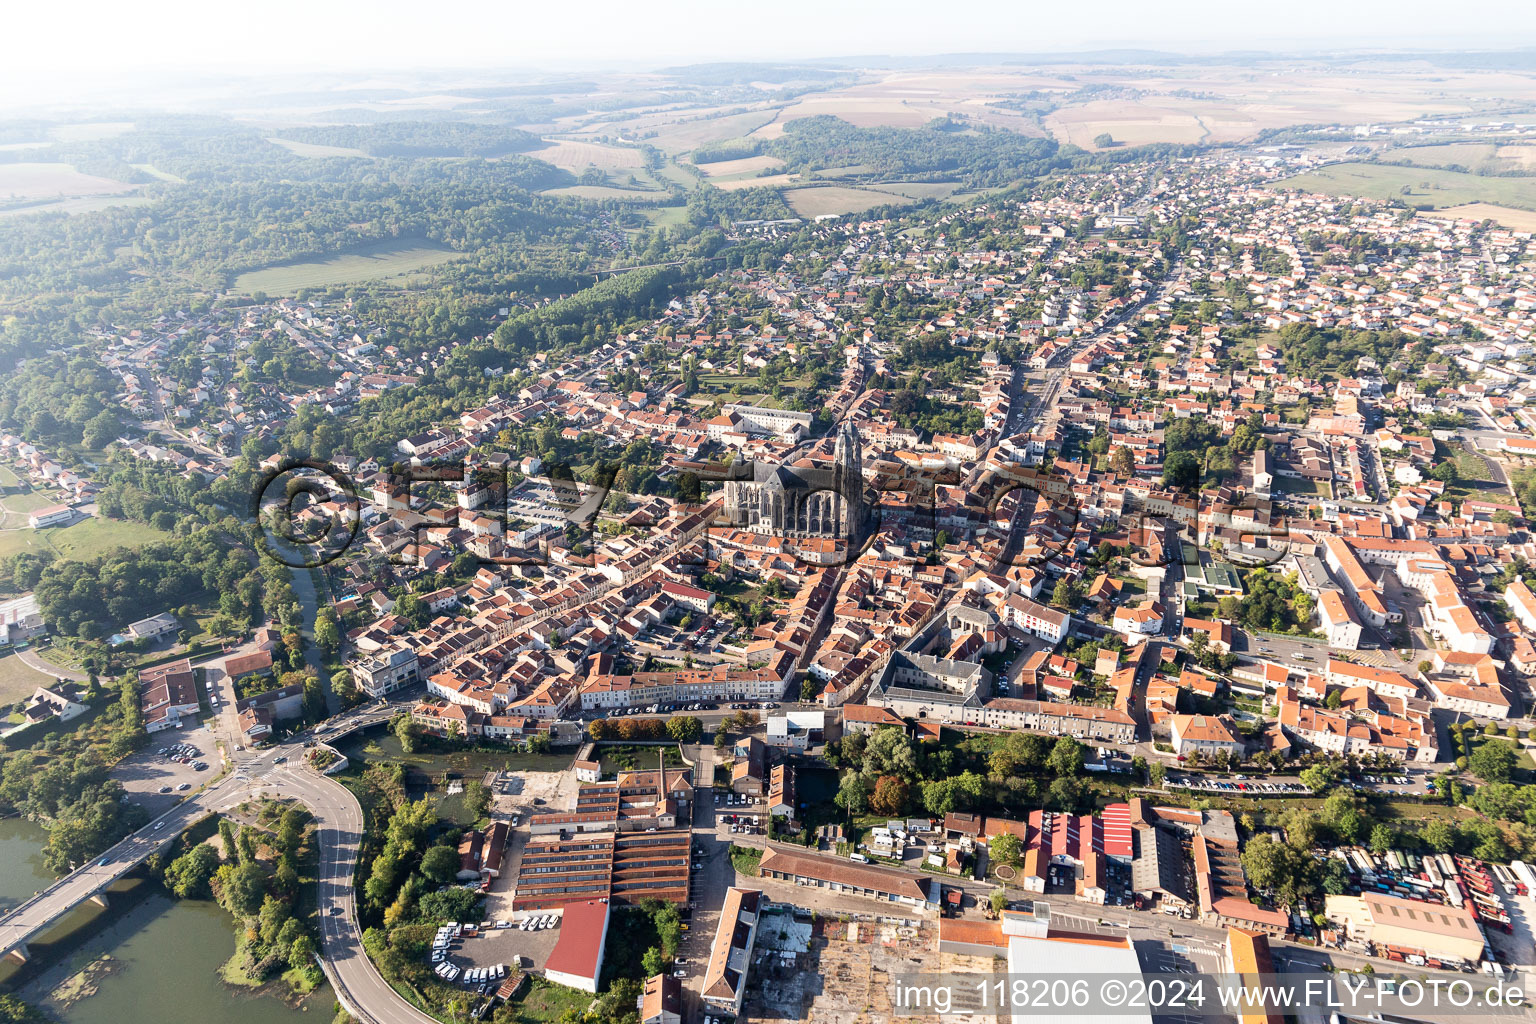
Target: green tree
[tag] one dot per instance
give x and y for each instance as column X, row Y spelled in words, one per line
column 477, row 799
column 1004, row 849
column 406, row 732
column 853, row 793
column 684, row 728
column 454, row 903
column 1382, row 838
column 441, row 865
column 327, row 631
column 241, row 888
column 1181, row 471
column 1066, row 758
column 189, row 876
column 1494, row 761
column 1122, row 461
column 1439, row 835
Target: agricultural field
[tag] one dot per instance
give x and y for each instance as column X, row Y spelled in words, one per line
column 630, row 195
column 155, row 172
column 818, row 201
column 919, row 189
column 393, row 258
column 1517, row 220
column 1478, row 157
column 747, row 165
column 312, row 150
column 1416, row 186
column 682, row 135
column 768, row 181
column 90, row 131
column 578, row 156
column 47, row 180
column 77, row 204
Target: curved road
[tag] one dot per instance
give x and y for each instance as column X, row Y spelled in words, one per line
column 339, row 823
column 339, row 828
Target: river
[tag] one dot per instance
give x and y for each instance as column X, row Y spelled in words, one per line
column 151, row 959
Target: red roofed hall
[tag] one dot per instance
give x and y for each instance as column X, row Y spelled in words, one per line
column 577, row 958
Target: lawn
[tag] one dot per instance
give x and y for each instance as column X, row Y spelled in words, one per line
column 18, row 679
column 435, row 762
column 1415, row 186
column 546, row 1002
column 1301, row 485
column 91, row 537
column 391, row 258
column 617, row 757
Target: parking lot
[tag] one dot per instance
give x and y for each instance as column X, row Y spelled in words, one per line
column 740, row 818
column 157, row 782
column 1246, row 785
column 493, row 945
column 1237, row 784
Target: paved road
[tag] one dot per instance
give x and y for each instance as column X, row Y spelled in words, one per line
column 32, row 658
column 58, row 899
column 339, row 820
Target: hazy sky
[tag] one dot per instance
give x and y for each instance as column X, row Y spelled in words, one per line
column 65, row 45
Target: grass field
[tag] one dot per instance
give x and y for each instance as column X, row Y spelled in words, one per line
column 85, row 539
column 29, row 502
column 546, row 1001
column 310, row 149
column 46, row 180
column 667, row 216
column 817, row 202
column 1416, row 186
column 394, row 258
column 919, row 189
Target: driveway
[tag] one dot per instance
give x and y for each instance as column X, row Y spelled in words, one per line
column 31, row 658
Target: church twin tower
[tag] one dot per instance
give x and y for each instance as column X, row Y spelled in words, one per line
column 792, row 501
